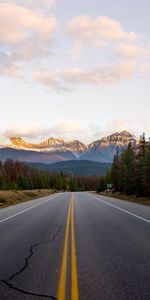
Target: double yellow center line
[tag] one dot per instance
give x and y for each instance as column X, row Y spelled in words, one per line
column 61, row 293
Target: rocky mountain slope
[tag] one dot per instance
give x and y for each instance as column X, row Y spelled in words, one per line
column 52, row 150
column 104, row 149
column 50, row 145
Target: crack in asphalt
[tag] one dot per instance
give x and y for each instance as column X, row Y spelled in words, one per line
column 27, row 259
column 26, row 292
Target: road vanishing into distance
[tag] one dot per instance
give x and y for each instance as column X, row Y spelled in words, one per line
column 72, row 246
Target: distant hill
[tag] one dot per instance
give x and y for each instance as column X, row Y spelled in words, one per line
column 34, row 156
column 76, row 167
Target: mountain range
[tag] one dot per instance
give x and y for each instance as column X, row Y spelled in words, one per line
column 56, row 150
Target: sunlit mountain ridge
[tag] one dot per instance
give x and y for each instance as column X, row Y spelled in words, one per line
column 55, row 149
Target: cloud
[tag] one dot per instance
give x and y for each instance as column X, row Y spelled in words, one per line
column 26, row 45
column 135, row 125
column 66, row 80
column 22, row 25
column 67, row 127
column 25, row 35
column 98, row 31
column 53, row 79
column 8, row 67
column 105, row 34
column 27, row 131
column 74, row 129
column 99, row 77
column 36, row 130
column 133, row 51
column 117, row 125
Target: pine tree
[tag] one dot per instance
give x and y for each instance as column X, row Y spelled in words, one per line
column 115, row 172
column 127, row 170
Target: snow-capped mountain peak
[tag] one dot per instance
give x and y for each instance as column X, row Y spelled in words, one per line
column 51, row 144
column 102, row 150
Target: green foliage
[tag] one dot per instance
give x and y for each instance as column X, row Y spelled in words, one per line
column 102, row 185
column 130, row 172
column 75, row 167
column 143, row 169
column 16, row 175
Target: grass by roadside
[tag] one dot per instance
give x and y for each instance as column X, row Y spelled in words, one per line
column 132, row 198
column 14, row 197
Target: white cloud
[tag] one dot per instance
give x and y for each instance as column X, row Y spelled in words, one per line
column 98, row 77
column 101, row 31
column 26, row 38
column 25, row 35
column 27, row 131
column 62, row 128
column 123, row 46
column 133, row 51
column 96, row 132
column 8, row 67
column 74, row 129
column 11, row 71
column 52, row 79
column 135, row 125
column 98, row 31
column 67, row 127
column 22, row 25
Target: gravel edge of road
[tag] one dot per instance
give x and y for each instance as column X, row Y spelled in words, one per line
column 134, row 199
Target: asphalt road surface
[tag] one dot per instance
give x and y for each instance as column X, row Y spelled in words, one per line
column 75, row 246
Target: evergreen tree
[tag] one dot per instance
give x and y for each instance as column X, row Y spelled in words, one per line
column 115, row 172
column 127, row 170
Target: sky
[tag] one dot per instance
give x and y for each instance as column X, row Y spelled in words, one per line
column 74, row 69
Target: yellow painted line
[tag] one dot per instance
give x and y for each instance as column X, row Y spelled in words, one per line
column 74, row 273
column 61, row 292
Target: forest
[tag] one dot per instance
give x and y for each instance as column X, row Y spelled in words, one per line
column 15, row 175
column 130, row 172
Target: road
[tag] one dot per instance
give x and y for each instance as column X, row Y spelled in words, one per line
column 75, row 246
